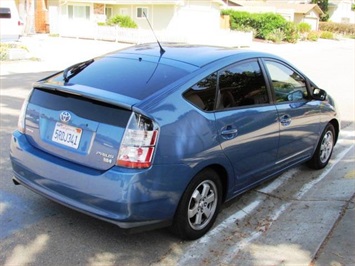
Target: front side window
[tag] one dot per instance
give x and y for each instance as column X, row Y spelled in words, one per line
column 288, row 85
column 141, row 11
column 242, row 84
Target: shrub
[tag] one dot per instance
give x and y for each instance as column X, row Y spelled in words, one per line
column 268, row 22
column 122, row 21
column 313, row 36
column 246, row 29
column 291, row 32
column 326, row 35
column 5, row 47
column 276, row 35
column 237, row 18
column 265, row 25
column 339, row 28
column 304, row 27
column 3, row 52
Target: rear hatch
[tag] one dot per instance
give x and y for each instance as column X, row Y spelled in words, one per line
column 81, row 114
column 75, row 128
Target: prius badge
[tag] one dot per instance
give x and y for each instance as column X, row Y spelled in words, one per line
column 65, row 116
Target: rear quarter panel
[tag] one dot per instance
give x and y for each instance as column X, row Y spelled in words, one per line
column 188, row 136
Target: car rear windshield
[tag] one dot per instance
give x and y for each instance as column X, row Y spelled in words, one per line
column 136, row 78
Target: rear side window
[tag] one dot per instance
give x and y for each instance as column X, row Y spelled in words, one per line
column 136, row 78
column 5, row 12
column 203, row 93
column 242, row 84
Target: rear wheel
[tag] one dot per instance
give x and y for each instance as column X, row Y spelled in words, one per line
column 199, row 206
column 324, row 149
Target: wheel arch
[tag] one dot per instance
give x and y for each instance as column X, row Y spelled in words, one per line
column 182, row 225
column 336, row 126
column 223, row 176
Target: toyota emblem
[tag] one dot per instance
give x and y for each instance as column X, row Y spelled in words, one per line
column 65, row 116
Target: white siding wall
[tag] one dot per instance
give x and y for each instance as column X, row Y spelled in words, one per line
column 196, row 17
column 342, row 12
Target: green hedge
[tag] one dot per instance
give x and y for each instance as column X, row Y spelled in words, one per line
column 339, row 28
column 122, row 21
column 266, row 25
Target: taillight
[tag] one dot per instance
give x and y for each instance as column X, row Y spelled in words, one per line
column 138, row 143
column 22, row 117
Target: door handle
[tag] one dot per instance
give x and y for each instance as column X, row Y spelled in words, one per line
column 229, row 133
column 285, row 120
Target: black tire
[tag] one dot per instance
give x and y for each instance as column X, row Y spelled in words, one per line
column 199, row 206
column 324, row 149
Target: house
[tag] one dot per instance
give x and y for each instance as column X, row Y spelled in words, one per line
column 57, row 16
column 71, row 17
column 294, row 12
column 340, row 11
column 193, row 21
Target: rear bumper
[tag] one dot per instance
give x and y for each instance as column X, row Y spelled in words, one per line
column 125, row 197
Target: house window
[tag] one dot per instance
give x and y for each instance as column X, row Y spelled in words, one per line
column 79, row 12
column 141, row 11
column 108, row 12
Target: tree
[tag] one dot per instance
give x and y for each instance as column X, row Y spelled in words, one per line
column 323, row 4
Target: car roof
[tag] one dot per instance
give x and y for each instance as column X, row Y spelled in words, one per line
column 196, row 55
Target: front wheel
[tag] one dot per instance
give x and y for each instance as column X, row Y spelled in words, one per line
column 199, row 206
column 324, row 149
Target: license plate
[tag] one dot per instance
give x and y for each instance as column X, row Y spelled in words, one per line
column 67, row 135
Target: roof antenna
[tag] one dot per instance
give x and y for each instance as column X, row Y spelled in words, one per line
column 162, row 51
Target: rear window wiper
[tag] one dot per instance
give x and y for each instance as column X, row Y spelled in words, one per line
column 75, row 69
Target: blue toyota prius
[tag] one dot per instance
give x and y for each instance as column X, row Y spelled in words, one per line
column 153, row 136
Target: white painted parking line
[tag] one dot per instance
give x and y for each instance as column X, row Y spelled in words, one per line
column 231, row 220
column 230, row 253
column 279, row 181
column 195, row 247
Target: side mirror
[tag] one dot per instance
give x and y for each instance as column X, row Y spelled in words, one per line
column 319, row 94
